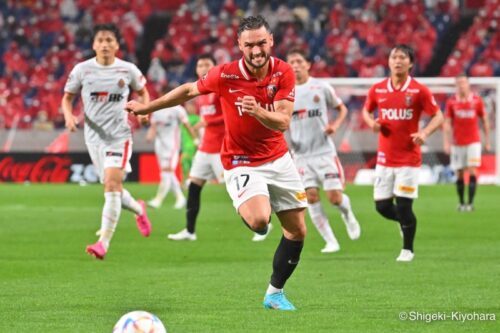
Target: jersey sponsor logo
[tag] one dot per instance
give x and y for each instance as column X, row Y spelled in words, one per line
column 291, row 94
column 303, row 113
column 267, row 107
column 397, row 114
column 207, row 110
column 380, row 91
column 465, row 114
column 381, row 158
column 232, row 91
column 240, row 159
column 104, row 96
column 271, row 90
column 227, row 76
column 382, row 100
column 277, row 74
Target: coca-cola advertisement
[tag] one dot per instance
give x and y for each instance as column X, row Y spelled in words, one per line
column 52, row 168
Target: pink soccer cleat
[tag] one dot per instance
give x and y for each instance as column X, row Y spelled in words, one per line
column 143, row 223
column 97, row 250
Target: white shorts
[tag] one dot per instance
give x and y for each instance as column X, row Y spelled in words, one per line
column 400, row 182
column 279, row 180
column 168, row 157
column 207, row 166
column 110, row 155
column 319, row 171
column 465, row 156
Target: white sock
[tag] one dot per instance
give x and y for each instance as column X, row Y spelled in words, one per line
column 320, row 220
column 110, row 215
column 345, row 205
column 164, row 185
column 272, row 290
column 176, row 187
column 129, row 203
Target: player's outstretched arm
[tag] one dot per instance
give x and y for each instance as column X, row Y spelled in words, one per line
column 175, row 97
column 278, row 120
column 71, row 122
column 436, row 121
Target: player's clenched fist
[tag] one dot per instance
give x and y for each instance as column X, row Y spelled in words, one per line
column 136, row 108
column 249, row 105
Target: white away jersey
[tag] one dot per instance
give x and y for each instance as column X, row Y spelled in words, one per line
column 313, row 100
column 104, row 91
column 168, row 122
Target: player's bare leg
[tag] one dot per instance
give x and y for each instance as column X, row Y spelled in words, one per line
column 320, row 220
column 340, row 200
column 286, row 257
column 256, row 213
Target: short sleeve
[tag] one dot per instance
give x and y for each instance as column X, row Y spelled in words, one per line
column 332, row 100
column 74, row 83
column 371, row 100
column 429, row 105
column 286, row 89
column 210, row 81
column 137, row 80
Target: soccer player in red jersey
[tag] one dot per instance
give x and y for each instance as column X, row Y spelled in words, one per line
column 462, row 113
column 257, row 95
column 400, row 101
column 206, row 164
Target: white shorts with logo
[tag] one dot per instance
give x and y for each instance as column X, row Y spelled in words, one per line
column 110, row 155
column 465, row 156
column 395, row 181
column 207, row 166
column 317, row 171
column 168, row 157
column 279, row 180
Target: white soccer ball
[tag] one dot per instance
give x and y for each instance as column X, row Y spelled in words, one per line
column 139, row 322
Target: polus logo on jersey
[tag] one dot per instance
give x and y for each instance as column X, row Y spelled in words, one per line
column 104, row 96
column 397, row 114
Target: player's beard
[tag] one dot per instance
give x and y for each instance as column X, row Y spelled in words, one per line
column 257, row 66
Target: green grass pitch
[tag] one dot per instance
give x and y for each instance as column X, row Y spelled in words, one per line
column 216, row 284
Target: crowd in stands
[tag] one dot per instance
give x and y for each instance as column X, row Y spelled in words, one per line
column 40, row 41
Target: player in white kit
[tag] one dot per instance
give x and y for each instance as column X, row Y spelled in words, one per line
column 166, row 132
column 104, row 83
column 314, row 151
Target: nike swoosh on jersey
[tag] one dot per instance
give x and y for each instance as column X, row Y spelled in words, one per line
column 231, row 91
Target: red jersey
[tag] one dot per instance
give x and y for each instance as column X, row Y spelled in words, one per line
column 246, row 141
column 464, row 114
column 399, row 112
column 210, row 110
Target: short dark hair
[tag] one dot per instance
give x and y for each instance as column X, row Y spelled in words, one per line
column 301, row 52
column 207, row 56
column 107, row 27
column 406, row 49
column 253, row 23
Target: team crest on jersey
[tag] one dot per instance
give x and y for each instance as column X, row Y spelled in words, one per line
column 121, row 83
column 316, row 99
column 409, row 100
column 271, row 90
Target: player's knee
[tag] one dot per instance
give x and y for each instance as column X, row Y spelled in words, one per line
column 257, row 221
column 312, row 196
column 335, row 197
column 384, row 207
column 404, row 207
column 112, row 185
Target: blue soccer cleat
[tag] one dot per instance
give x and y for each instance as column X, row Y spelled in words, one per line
column 278, row 301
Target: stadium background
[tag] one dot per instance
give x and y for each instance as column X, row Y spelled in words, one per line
column 40, row 41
